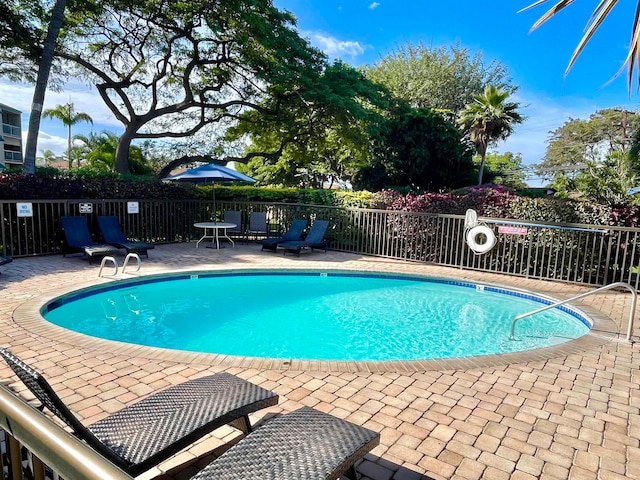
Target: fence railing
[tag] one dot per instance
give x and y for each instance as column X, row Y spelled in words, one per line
column 578, row 253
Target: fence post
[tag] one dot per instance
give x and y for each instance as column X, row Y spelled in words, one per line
column 606, row 263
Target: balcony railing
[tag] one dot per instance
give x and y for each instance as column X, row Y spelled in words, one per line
column 12, row 130
column 14, row 157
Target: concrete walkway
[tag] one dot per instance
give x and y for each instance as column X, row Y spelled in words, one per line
column 566, row 413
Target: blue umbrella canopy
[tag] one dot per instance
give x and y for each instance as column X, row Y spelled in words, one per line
column 211, row 173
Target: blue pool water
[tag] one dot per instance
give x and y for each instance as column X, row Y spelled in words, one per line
column 315, row 316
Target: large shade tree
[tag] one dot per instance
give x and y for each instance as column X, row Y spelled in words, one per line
column 420, row 149
column 579, row 142
column 20, row 42
column 490, row 117
column 324, row 135
column 445, row 77
column 176, row 69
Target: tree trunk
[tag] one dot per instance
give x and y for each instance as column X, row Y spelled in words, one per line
column 57, row 16
column 122, row 150
column 481, row 148
column 69, row 159
column 483, row 155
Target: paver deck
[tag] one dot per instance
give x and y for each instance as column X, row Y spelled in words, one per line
column 567, row 413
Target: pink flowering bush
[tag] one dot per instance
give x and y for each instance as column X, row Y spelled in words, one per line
column 499, row 202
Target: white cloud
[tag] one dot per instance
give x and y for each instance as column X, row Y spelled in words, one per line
column 374, row 5
column 334, row 47
column 58, row 145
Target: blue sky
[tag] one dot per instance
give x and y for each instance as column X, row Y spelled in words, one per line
column 362, row 32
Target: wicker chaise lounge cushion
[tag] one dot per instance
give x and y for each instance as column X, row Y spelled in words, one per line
column 175, row 417
column 303, row 445
column 146, row 433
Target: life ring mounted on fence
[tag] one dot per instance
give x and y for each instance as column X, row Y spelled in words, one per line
column 472, row 239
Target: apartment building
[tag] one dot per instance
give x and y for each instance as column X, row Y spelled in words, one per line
column 11, row 137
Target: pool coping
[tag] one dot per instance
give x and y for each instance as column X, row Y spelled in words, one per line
column 28, row 316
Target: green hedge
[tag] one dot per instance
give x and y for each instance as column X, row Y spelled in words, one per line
column 41, row 186
column 487, row 200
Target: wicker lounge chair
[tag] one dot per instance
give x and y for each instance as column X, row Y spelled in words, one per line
column 79, row 239
column 314, row 239
column 113, row 235
column 144, row 434
column 294, row 233
column 304, row 444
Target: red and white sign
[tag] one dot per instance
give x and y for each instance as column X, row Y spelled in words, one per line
column 510, row 230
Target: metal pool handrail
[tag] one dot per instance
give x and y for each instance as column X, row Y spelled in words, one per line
column 578, row 297
column 62, row 452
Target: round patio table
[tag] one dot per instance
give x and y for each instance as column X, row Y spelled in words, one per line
column 214, row 230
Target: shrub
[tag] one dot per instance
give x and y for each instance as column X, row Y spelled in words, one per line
column 499, row 202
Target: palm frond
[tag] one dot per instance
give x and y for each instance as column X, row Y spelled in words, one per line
column 549, row 13
column 633, row 57
column 597, row 17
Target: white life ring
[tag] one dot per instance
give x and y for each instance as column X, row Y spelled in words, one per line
column 472, row 235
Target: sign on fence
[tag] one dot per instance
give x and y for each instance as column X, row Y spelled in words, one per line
column 85, row 207
column 24, row 209
column 511, row 230
column 133, row 207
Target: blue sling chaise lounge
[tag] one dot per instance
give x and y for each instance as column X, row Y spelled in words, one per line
column 294, row 233
column 314, row 239
column 113, row 235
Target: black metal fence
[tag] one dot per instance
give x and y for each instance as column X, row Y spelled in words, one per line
column 586, row 254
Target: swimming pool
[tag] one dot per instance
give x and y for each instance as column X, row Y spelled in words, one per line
column 315, row 315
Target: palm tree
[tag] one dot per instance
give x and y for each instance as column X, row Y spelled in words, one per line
column 47, row 157
column 67, row 114
column 601, row 12
column 44, row 67
column 487, row 119
column 99, row 149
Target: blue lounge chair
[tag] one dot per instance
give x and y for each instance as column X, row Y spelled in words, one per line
column 79, row 239
column 294, row 233
column 314, row 239
column 112, row 234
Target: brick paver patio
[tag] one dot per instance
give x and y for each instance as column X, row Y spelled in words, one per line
column 570, row 413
